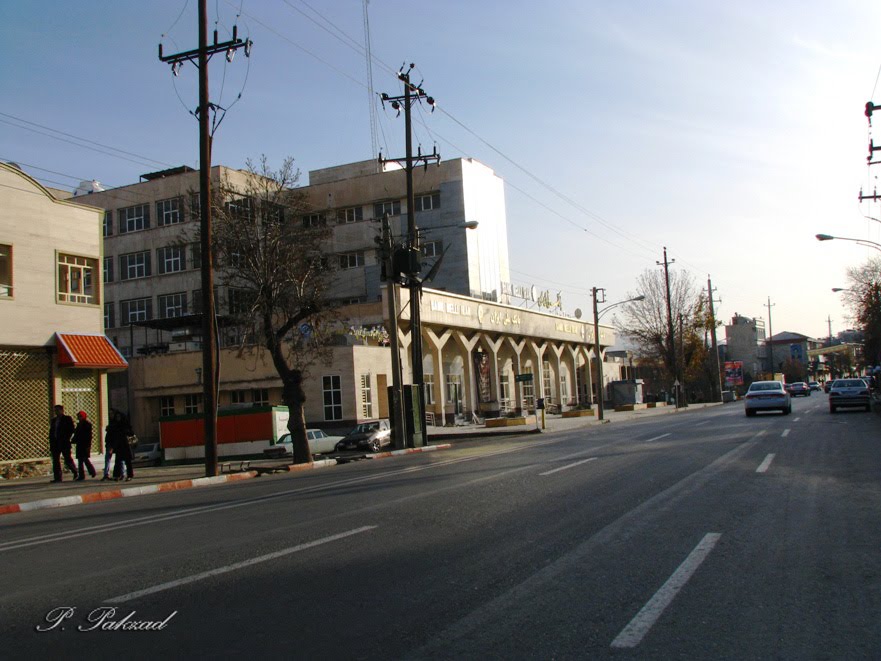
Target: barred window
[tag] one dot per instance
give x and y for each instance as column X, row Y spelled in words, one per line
column 134, row 219
column 173, row 305
column 170, row 259
column 333, row 397
column 134, row 265
column 135, row 309
column 75, row 279
column 168, row 212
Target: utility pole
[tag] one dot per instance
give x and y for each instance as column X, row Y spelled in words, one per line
column 710, row 291
column 200, row 57
column 671, row 348
column 398, row 417
column 770, row 335
column 596, row 344
column 413, row 93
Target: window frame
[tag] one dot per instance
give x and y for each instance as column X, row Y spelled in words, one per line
column 352, row 215
column 427, row 202
column 86, row 278
column 166, row 216
column 129, row 221
column 126, row 267
column 171, row 255
column 178, row 302
column 166, row 408
column 7, row 288
column 125, row 310
column 332, row 397
column 365, row 396
column 346, row 259
column 379, row 208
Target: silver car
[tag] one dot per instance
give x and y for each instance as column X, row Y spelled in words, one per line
column 767, row 396
column 849, row 392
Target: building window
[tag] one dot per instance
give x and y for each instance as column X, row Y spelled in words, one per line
column 109, row 317
column 134, row 265
column 313, row 220
column 238, row 396
column 197, row 301
column 260, row 396
column 193, row 404
column 170, row 259
column 108, row 269
column 333, row 397
column 546, row 381
column 428, row 386
column 239, row 300
column 75, row 279
column 134, row 219
column 5, row 271
column 353, row 214
column 195, row 255
column 166, row 406
column 350, row 260
column 366, row 397
column 392, row 208
column 432, row 248
column 564, row 389
column 428, row 202
column 107, row 229
column 239, row 208
column 172, row 305
column 135, row 309
column 528, row 390
column 195, row 206
column 168, row 212
column 504, row 394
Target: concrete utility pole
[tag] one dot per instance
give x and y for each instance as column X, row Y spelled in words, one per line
column 710, row 291
column 671, row 347
column 398, row 417
column 413, row 93
column 200, row 57
column 596, row 343
column 770, row 335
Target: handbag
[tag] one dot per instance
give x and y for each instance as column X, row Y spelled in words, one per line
column 132, row 440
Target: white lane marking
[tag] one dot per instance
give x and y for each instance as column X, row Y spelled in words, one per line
column 562, row 468
column 657, row 438
column 640, row 625
column 785, row 433
column 238, row 565
column 765, row 464
column 698, row 424
column 796, row 419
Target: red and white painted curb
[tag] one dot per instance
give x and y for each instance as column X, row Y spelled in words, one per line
column 111, row 494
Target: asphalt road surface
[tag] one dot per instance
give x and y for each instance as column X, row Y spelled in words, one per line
column 699, row 535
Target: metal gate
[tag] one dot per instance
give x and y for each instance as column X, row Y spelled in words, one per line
column 24, row 405
column 79, row 392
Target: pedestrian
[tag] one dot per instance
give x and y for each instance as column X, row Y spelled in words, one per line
column 60, row 431
column 108, row 448
column 118, row 432
column 82, row 438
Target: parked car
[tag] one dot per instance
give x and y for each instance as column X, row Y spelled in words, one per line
column 814, row 385
column 147, row 454
column 849, row 392
column 799, row 389
column 319, row 443
column 827, row 386
column 767, row 396
column 367, row 436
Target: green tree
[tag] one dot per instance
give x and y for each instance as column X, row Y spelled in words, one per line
column 863, row 297
column 278, row 280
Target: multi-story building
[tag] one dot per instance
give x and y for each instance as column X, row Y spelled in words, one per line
column 52, row 344
column 745, row 341
column 152, row 282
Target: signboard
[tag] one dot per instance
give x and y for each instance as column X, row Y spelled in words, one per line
column 520, row 378
column 733, row 373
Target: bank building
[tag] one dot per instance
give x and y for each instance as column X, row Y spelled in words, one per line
column 479, row 331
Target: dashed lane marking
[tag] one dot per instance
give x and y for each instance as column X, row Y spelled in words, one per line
column 763, row 467
column 567, row 466
column 657, row 438
column 785, row 433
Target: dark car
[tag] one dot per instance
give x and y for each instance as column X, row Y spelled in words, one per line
column 370, row 436
column 814, row 385
column 849, row 392
column 827, row 386
column 799, row 389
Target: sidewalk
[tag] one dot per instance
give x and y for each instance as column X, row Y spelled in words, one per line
column 32, row 493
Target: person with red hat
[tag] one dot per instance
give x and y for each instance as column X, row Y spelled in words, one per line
column 82, row 437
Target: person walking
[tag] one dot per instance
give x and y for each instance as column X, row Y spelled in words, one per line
column 60, row 431
column 82, row 438
column 118, row 432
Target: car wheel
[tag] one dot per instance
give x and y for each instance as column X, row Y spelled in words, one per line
column 374, row 446
column 787, row 410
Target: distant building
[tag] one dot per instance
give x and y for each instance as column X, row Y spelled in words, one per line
column 52, row 344
column 745, row 341
column 791, row 346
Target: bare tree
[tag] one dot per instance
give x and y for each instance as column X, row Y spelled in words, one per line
column 645, row 323
column 863, row 297
column 271, row 261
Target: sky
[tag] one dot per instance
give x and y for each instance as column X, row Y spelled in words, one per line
column 729, row 133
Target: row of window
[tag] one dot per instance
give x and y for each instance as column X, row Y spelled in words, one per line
column 170, row 211
column 174, row 304
column 75, row 282
column 193, row 403
column 169, row 259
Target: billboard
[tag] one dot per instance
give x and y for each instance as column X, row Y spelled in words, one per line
column 733, row 373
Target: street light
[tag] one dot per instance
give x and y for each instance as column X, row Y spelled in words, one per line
column 596, row 341
column 862, row 242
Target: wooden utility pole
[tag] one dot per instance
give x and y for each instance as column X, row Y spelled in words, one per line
column 210, row 370
column 713, row 337
column 671, row 347
column 770, row 335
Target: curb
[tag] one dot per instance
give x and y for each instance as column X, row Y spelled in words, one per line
column 111, row 494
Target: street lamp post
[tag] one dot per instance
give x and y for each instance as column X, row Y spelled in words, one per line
column 862, row 242
column 596, row 340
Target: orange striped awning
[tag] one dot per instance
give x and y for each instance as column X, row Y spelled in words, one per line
column 88, row 351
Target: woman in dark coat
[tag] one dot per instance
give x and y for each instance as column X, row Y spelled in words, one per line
column 82, row 438
column 118, row 432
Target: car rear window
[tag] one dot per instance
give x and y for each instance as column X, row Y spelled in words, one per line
column 849, row 383
column 766, row 386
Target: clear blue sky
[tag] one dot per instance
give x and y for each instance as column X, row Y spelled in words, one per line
column 731, row 132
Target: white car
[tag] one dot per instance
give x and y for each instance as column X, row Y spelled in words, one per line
column 767, row 396
column 319, row 443
column 147, row 454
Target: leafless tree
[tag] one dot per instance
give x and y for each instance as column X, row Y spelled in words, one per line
column 272, row 263
column 863, row 297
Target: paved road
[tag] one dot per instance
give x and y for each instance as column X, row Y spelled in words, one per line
column 700, row 535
